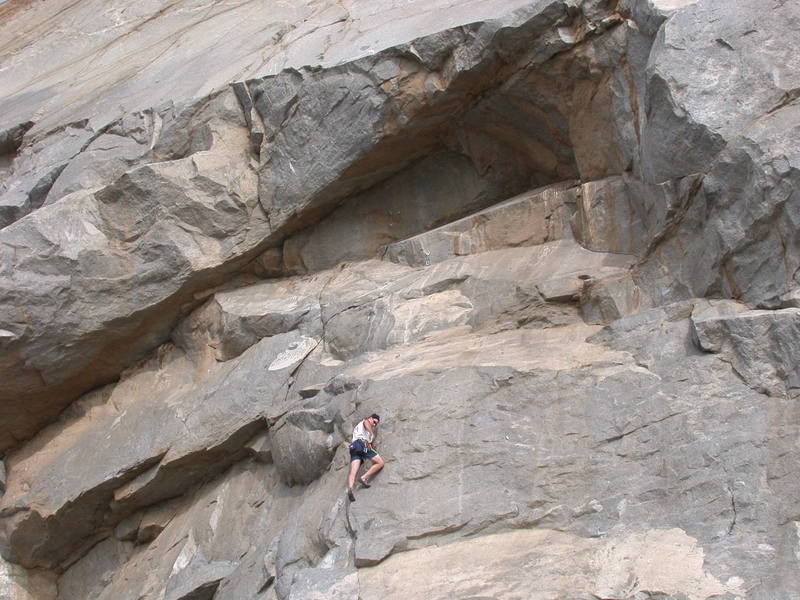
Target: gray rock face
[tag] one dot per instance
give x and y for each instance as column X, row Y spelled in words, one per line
column 176, row 446
column 553, row 244
column 394, row 210
column 530, row 219
column 608, row 217
column 21, row 584
column 230, row 322
column 748, row 246
column 303, row 444
column 322, row 584
column 129, row 60
column 127, row 248
column 733, row 233
column 33, row 172
column 710, row 48
column 189, row 213
column 180, row 444
column 759, row 344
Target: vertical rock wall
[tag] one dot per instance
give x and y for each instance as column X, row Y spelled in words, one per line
column 553, row 243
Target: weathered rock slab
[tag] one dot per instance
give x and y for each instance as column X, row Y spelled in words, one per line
column 707, row 57
column 734, row 233
column 656, row 563
column 326, row 584
column 530, row 219
column 132, row 59
column 120, row 261
column 760, row 345
column 177, row 444
column 607, row 217
column 204, row 199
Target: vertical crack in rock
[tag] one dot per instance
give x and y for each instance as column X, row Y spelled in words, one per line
column 733, row 508
column 674, row 217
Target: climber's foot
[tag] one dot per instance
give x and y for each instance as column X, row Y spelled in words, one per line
column 350, row 495
column 363, row 482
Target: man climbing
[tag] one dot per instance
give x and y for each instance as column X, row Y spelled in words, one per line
column 362, row 449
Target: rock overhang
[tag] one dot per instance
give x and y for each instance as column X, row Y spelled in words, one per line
column 478, row 333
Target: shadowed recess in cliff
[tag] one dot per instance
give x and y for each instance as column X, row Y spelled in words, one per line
column 445, row 141
column 144, row 245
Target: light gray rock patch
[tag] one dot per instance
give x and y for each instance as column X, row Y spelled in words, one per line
column 703, row 55
column 325, row 584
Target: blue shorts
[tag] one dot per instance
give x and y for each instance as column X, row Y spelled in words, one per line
column 360, row 451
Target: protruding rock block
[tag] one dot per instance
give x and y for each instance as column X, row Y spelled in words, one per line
column 134, row 251
column 230, row 322
column 394, row 321
column 533, row 218
column 689, row 122
column 154, row 520
column 607, row 217
column 733, row 234
column 199, row 581
column 760, row 345
column 607, row 299
column 303, row 444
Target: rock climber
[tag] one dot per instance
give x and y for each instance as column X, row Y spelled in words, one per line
column 361, row 449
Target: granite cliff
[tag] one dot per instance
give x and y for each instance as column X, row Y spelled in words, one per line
column 554, row 243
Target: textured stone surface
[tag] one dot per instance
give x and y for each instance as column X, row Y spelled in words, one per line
column 394, row 210
column 17, row 583
column 324, row 584
column 231, row 322
column 732, row 234
column 659, row 563
column 126, row 249
column 727, row 54
column 530, row 219
column 607, row 299
column 95, row 571
column 615, row 406
column 759, row 344
column 141, row 61
column 303, row 443
column 607, row 219
column 175, row 445
column 553, row 243
column 166, row 459
column 143, row 243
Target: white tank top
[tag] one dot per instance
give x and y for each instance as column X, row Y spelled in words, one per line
column 361, row 433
